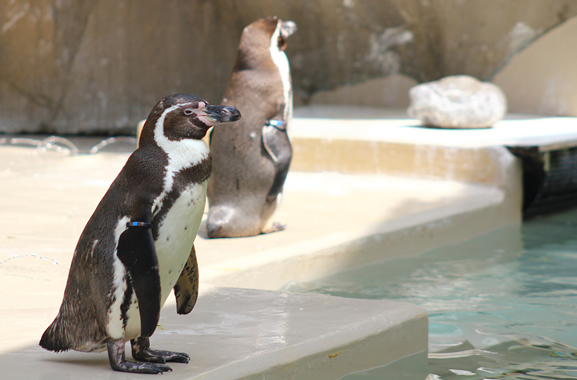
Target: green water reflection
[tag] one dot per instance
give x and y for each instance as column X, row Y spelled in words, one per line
column 501, row 306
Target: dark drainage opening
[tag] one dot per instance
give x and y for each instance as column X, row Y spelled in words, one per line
column 549, row 179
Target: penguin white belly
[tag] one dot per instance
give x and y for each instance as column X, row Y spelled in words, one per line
column 175, row 239
column 177, row 233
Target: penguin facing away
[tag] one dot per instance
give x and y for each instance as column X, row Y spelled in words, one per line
column 251, row 158
column 139, row 242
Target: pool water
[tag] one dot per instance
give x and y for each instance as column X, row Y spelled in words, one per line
column 501, row 306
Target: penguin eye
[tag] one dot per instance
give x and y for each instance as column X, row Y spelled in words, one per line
column 281, row 43
column 188, row 112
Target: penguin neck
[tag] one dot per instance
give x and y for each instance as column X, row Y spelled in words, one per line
column 182, row 153
column 249, row 60
column 281, row 62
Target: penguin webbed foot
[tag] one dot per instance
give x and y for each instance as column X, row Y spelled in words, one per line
column 141, row 351
column 118, row 362
column 160, row 356
column 275, row 227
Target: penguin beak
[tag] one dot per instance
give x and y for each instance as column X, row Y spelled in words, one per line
column 287, row 29
column 221, row 114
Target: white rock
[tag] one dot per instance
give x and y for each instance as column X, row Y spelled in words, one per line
column 459, row 101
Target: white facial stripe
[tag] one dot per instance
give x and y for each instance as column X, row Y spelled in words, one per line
column 281, row 61
column 181, row 154
column 115, row 327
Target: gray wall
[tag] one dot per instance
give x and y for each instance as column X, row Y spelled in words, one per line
column 542, row 79
column 99, row 66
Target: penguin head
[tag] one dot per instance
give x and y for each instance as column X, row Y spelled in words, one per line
column 260, row 38
column 286, row 29
column 185, row 116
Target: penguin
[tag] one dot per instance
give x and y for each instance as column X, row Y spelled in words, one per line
column 139, row 242
column 251, row 159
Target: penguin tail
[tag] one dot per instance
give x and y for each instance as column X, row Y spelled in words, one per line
column 55, row 338
column 69, row 333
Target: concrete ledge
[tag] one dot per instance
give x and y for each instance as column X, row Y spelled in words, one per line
column 473, row 209
column 310, row 259
column 387, row 142
column 253, row 334
column 393, row 126
column 473, row 165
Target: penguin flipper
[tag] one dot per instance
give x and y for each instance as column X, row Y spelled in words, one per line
column 186, row 287
column 136, row 251
column 277, row 144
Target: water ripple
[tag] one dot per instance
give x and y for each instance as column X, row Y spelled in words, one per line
column 64, row 145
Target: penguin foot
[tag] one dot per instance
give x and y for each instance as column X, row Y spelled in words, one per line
column 141, row 367
column 141, row 351
column 118, row 362
column 275, row 227
column 160, row 356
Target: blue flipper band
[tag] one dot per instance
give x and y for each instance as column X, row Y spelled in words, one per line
column 139, row 224
column 275, row 123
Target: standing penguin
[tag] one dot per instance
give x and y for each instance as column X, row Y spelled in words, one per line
column 138, row 244
column 252, row 158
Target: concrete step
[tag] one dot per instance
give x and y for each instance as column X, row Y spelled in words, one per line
column 255, row 334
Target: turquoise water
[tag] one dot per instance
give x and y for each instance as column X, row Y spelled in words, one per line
column 500, row 306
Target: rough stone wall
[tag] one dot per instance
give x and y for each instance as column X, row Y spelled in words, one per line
column 71, row 66
column 99, row 66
